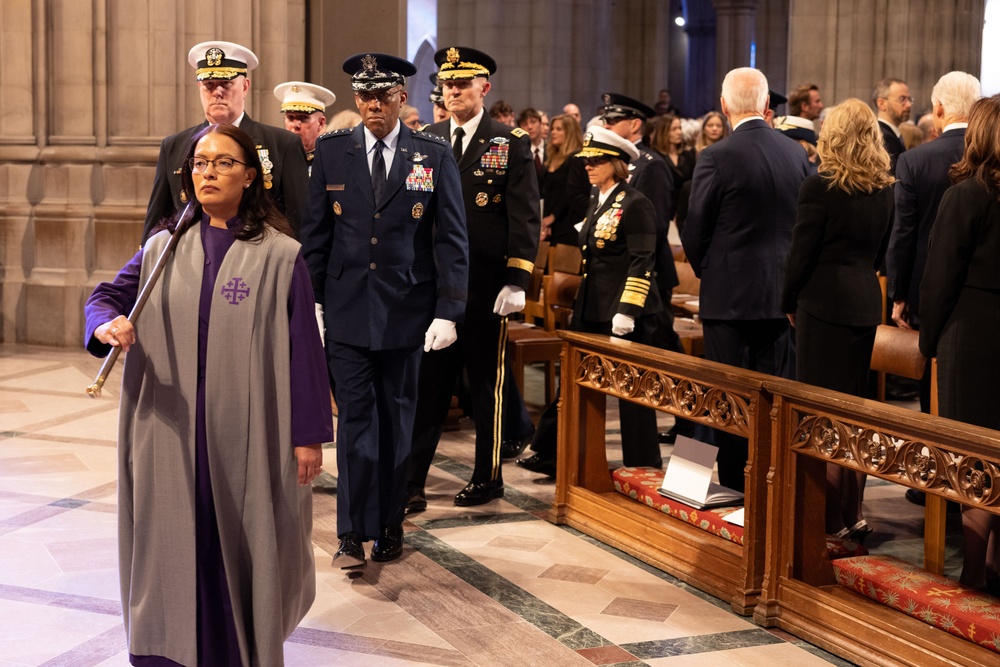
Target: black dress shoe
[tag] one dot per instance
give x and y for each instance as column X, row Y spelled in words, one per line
column 388, row 544
column 668, row 437
column 417, row 502
column 512, row 448
column 351, row 553
column 478, row 494
column 540, row 464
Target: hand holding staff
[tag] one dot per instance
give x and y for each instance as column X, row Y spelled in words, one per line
column 120, row 332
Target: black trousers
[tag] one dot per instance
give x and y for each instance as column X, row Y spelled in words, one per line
column 376, row 397
column 640, row 439
column 481, row 350
column 766, row 346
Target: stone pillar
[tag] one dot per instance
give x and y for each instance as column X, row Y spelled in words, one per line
column 337, row 32
column 734, row 34
column 89, row 91
column 845, row 47
column 700, row 84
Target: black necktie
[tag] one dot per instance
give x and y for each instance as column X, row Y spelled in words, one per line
column 457, row 148
column 378, row 172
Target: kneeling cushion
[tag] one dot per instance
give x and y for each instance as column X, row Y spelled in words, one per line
column 933, row 599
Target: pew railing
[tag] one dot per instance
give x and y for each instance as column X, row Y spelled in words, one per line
column 724, row 397
column 815, row 427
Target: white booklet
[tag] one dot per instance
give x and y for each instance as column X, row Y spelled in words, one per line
column 689, row 476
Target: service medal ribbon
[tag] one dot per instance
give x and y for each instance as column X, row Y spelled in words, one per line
column 420, row 179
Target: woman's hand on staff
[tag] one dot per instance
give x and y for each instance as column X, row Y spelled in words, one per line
column 310, row 458
column 119, row 332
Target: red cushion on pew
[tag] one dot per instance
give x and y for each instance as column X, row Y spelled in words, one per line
column 640, row 484
column 933, row 599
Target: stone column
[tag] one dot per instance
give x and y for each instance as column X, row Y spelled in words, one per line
column 734, row 34
column 89, row 91
column 845, row 47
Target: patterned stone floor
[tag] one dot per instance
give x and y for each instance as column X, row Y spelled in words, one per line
column 493, row 585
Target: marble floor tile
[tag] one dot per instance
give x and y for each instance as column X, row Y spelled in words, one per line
column 639, row 609
column 476, row 587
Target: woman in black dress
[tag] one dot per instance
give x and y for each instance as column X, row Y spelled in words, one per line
column 565, row 188
column 668, row 140
column 831, row 293
column 960, row 311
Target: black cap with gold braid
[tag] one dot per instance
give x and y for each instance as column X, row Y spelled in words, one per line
column 377, row 71
column 462, row 62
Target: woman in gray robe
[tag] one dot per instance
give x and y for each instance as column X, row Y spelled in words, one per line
column 225, row 404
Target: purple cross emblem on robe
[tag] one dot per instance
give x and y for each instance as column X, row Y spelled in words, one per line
column 235, row 291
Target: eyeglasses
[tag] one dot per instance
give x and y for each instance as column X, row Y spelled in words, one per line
column 902, row 99
column 382, row 97
column 595, row 161
column 223, row 165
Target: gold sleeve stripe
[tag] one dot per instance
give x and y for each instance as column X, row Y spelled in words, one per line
column 637, row 282
column 634, row 298
column 523, row 264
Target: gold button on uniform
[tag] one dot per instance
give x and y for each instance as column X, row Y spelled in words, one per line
column 374, row 241
column 372, row 266
column 378, row 215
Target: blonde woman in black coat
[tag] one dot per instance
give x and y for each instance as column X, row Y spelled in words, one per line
column 831, row 293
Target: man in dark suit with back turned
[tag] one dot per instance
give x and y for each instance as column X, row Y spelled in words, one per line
column 739, row 227
column 385, row 240
column 922, row 175
column 500, row 192
column 892, row 102
column 222, row 69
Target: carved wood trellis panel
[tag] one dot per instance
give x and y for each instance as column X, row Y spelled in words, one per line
column 970, row 479
column 716, row 407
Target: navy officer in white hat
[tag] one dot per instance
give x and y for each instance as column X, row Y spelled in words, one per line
column 304, row 107
column 222, row 71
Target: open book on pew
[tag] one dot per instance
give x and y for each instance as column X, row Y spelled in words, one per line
column 689, row 477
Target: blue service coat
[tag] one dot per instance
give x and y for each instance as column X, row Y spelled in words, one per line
column 383, row 270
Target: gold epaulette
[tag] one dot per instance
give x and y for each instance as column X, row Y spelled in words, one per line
column 635, row 292
column 518, row 132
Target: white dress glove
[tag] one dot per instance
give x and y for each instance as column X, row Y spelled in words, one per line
column 510, row 300
column 319, row 323
column 622, row 325
column 440, row 334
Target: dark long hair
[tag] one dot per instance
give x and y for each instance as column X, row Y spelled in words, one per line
column 257, row 210
column 981, row 159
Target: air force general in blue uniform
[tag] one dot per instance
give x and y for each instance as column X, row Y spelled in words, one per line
column 385, row 239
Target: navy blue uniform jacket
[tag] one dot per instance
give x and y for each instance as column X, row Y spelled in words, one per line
column 384, row 271
column 744, row 195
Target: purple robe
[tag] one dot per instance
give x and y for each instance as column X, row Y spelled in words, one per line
column 312, row 422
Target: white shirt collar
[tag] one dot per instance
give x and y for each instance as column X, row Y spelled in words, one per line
column 747, row 120
column 954, row 126
column 469, row 128
column 390, row 140
column 892, row 127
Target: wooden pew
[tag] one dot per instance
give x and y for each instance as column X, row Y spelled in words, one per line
column 728, row 398
column 814, row 427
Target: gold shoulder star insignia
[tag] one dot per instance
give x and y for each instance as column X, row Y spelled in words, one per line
column 648, row 274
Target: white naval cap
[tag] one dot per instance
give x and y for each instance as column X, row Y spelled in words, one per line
column 221, row 60
column 302, row 96
column 601, row 142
